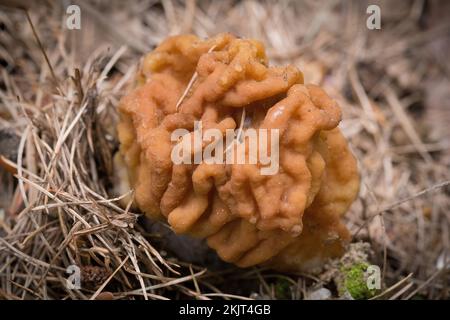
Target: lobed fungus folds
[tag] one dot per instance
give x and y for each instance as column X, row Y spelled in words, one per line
column 290, row 220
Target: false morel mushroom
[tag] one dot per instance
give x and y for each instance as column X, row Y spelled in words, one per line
column 288, row 220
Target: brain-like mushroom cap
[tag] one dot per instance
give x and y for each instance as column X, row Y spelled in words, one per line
column 290, row 220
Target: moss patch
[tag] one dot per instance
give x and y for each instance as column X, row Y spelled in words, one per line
column 282, row 289
column 355, row 281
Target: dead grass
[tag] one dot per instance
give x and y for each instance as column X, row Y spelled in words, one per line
column 59, row 210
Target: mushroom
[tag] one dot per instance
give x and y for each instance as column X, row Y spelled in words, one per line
column 289, row 220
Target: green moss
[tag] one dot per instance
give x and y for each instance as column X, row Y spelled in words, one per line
column 282, row 289
column 355, row 281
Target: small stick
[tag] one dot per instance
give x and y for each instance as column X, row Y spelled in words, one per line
column 42, row 49
column 190, row 84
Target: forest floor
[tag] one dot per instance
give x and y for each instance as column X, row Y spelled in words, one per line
column 59, row 90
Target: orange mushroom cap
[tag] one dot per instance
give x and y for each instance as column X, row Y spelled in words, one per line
column 290, row 220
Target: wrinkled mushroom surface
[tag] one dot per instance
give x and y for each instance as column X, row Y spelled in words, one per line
column 290, row 220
